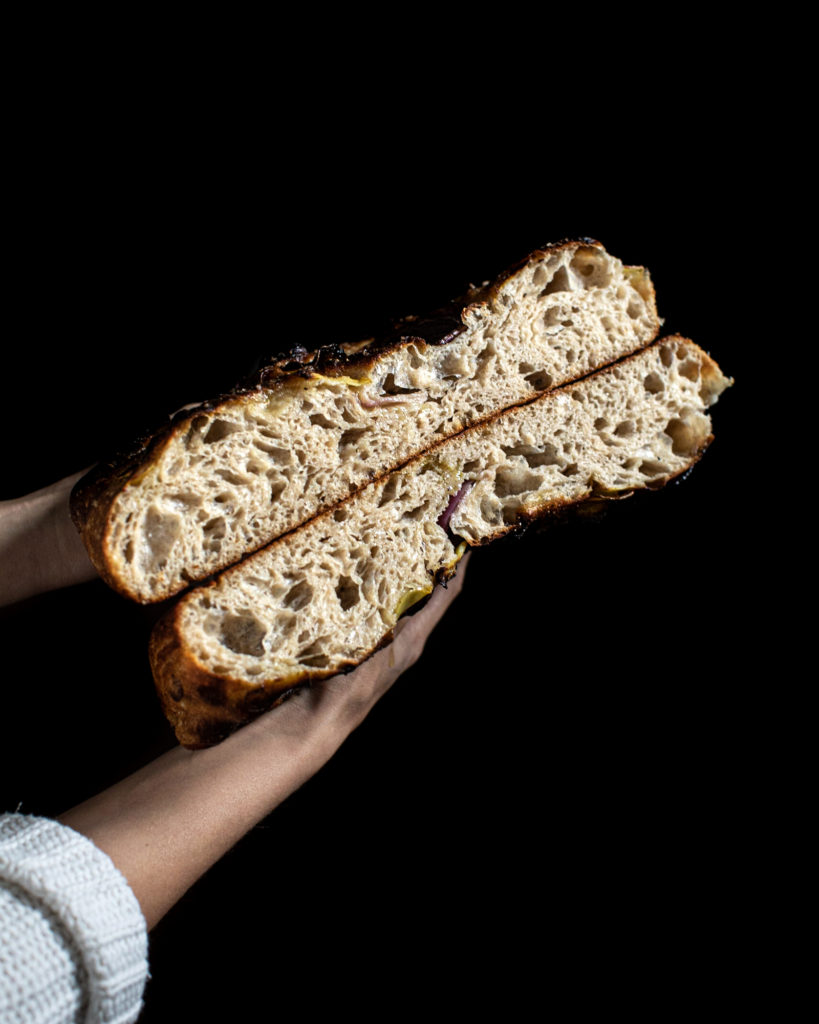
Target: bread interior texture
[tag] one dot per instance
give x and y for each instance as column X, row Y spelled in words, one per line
column 325, row 596
column 231, row 478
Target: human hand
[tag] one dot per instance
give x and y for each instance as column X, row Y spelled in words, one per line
column 347, row 699
column 166, row 824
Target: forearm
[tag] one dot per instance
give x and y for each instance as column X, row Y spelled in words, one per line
column 40, row 549
column 164, row 826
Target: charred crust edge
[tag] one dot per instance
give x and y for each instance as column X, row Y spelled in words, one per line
column 217, row 706
column 92, row 496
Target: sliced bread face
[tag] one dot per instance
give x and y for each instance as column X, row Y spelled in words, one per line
column 327, row 595
column 225, row 478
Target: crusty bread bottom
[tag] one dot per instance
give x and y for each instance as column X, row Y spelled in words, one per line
column 324, row 597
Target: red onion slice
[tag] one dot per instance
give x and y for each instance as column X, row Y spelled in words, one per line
column 454, row 502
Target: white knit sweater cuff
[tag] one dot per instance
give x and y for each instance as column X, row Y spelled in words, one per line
column 76, row 883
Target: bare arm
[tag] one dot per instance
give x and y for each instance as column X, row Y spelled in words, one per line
column 40, row 549
column 164, row 826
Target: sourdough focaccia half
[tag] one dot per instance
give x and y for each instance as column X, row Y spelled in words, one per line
column 324, row 597
column 227, row 477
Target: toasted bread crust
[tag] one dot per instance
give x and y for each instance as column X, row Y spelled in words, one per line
column 205, row 707
column 93, row 496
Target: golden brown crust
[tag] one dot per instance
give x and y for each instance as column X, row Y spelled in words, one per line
column 204, row 708
column 94, row 495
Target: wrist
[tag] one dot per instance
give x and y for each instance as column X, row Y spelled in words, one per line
column 40, row 547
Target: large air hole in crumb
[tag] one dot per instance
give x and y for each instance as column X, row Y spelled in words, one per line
column 340, row 515
column 319, row 420
column 243, row 634
column 347, row 593
column 348, row 439
column 539, row 276
column 455, row 364
column 559, row 283
column 553, row 316
column 591, row 269
column 415, row 360
column 390, row 491
column 417, row 513
column 547, row 456
column 625, row 428
column 220, row 429
column 187, row 499
column 510, row 512
column 285, row 624
column 491, row 510
column 690, row 369
column 540, row 380
column 314, row 655
column 232, row 478
column 570, row 470
column 651, row 468
column 653, row 383
column 160, row 531
column 687, row 435
column 198, row 423
column 316, row 661
column 515, row 480
column 389, row 387
column 280, row 456
column 213, row 533
column 635, row 309
column 298, row 596
column 666, row 356
column 277, row 488
column 601, row 423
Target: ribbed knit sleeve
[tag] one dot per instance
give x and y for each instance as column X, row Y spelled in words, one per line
column 73, row 942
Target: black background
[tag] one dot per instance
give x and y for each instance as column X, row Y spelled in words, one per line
column 569, row 761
